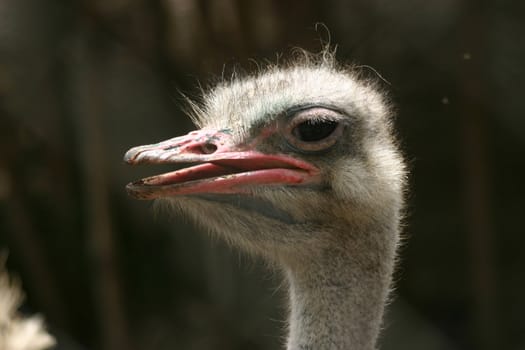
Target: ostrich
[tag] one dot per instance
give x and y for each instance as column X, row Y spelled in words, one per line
column 297, row 164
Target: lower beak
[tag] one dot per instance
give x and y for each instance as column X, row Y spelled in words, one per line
column 220, row 167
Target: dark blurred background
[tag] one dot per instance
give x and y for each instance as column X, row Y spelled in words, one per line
column 83, row 81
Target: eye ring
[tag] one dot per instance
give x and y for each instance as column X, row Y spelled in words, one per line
column 314, row 129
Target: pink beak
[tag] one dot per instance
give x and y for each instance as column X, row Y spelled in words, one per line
column 222, row 167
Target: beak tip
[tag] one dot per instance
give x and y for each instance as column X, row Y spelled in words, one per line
column 132, row 191
column 129, row 157
column 129, row 188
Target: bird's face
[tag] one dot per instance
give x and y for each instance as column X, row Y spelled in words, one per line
column 277, row 157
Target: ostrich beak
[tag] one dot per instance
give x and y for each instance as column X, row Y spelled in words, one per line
column 222, row 167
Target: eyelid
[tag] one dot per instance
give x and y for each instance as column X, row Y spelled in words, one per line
column 298, row 109
column 301, row 118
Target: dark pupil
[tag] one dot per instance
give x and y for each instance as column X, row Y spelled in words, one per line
column 314, row 130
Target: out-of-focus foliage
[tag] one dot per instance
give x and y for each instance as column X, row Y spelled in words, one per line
column 82, row 81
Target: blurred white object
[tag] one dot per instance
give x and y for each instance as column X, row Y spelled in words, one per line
column 18, row 332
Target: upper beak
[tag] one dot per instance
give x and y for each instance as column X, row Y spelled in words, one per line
column 222, row 166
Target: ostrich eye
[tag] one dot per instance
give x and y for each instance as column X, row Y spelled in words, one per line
column 314, row 129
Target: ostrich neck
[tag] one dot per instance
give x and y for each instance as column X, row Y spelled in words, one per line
column 337, row 299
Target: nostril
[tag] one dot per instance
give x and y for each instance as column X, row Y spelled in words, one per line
column 205, row 148
column 208, row 148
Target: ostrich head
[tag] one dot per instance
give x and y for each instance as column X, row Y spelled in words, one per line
column 297, row 164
